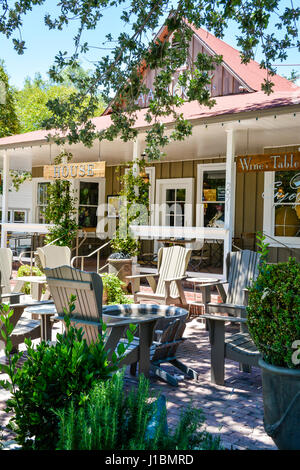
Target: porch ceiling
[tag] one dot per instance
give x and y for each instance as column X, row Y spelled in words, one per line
column 208, row 140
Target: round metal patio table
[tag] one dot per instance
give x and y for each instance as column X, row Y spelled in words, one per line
column 45, row 313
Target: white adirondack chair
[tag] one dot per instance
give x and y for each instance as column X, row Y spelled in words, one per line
column 6, row 259
column 172, row 264
column 52, row 256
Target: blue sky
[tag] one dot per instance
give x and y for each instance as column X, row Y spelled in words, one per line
column 43, row 45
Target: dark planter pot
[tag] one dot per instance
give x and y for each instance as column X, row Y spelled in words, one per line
column 121, row 268
column 281, row 395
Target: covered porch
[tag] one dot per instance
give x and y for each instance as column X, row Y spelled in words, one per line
column 221, row 209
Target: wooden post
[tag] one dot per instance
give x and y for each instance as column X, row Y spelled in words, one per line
column 5, row 197
column 230, row 195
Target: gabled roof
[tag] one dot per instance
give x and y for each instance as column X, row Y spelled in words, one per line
column 250, row 73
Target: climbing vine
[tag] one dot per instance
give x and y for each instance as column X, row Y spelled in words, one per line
column 61, row 208
column 134, row 207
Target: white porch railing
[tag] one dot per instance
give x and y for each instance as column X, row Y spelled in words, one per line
column 155, row 232
column 199, row 233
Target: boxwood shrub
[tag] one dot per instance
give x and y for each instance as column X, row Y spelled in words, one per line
column 274, row 312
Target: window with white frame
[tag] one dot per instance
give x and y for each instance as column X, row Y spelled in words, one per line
column 282, row 206
column 175, row 198
column 18, row 216
column 42, row 201
column 211, row 195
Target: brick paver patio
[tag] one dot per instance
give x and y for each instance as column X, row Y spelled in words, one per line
column 233, row 411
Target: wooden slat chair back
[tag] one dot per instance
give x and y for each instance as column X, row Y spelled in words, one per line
column 169, row 341
column 172, row 263
column 242, row 269
column 166, row 284
column 65, row 281
column 52, row 256
column 6, row 258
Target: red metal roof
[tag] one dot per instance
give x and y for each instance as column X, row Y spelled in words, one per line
column 225, row 105
column 250, row 73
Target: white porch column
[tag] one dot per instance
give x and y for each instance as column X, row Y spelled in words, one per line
column 136, row 156
column 230, row 194
column 5, row 186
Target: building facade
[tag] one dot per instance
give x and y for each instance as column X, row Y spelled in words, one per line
column 238, row 173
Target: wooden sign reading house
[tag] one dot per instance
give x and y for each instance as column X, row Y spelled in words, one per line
column 75, row 170
column 287, row 161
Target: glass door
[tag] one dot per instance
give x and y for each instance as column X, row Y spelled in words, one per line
column 88, row 205
column 175, row 199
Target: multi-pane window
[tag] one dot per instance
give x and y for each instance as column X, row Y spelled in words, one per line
column 213, row 198
column 175, row 207
column 286, row 204
column 20, row 216
column 16, row 215
column 88, row 204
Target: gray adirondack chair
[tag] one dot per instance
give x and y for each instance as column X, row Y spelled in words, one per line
column 168, row 336
column 242, row 268
column 165, row 351
column 172, row 264
column 88, row 289
column 238, row 347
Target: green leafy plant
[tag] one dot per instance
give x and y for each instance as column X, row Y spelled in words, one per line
column 61, row 209
column 134, row 208
column 26, row 270
column 9, row 122
column 113, row 419
column 51, row 377
column 113, row 286
column 273, row 309
column 124, row 248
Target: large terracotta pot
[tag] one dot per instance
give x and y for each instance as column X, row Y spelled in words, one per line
column 121, row 268
column 281, row 395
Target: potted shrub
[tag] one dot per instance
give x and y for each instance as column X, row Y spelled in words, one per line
column 274, row 324
column 121, row 260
